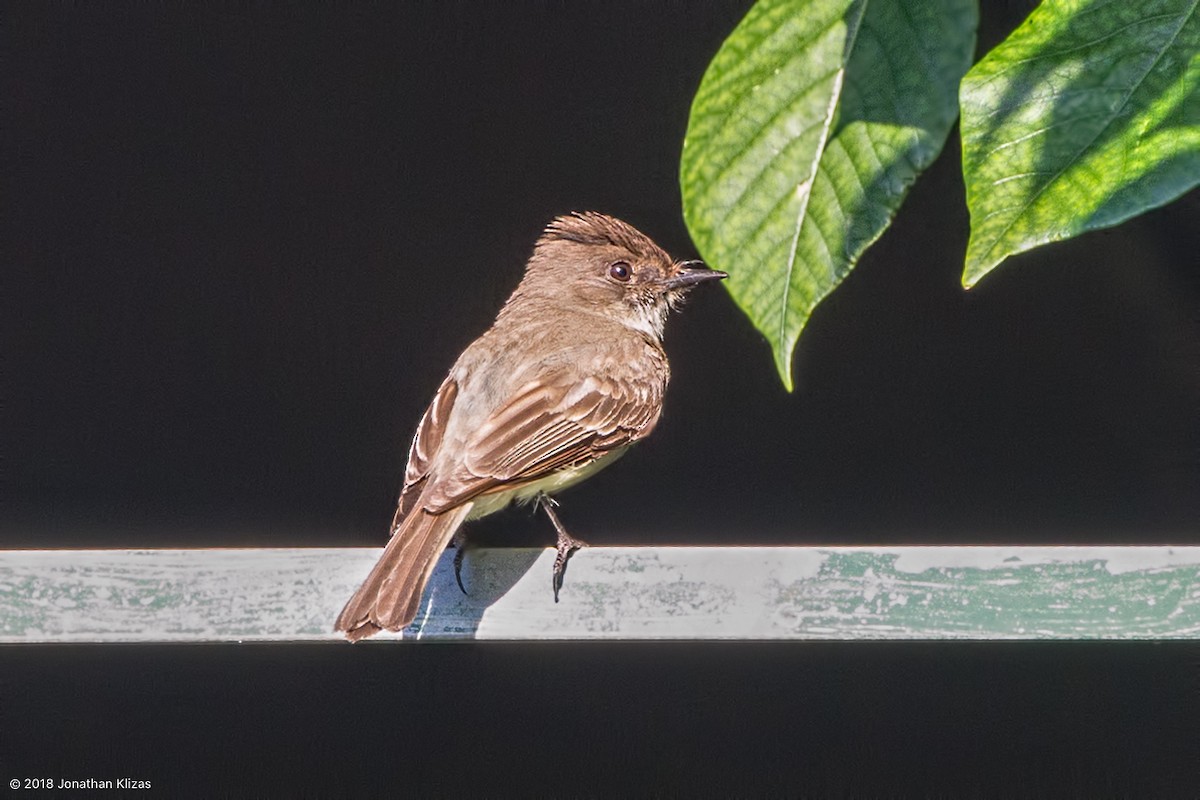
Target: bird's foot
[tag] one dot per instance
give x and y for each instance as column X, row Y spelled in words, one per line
column 564, row 547
column 461, row 545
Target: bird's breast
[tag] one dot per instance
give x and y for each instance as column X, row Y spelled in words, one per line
column 491, row 502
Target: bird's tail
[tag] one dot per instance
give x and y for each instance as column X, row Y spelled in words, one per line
column 391, row 594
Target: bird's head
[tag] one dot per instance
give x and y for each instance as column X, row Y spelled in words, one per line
column 606, row 266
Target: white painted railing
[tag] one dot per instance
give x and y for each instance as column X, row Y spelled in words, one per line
column 615, row 593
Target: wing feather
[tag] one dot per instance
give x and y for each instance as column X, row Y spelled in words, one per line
column 424, row 447
column 550, row 424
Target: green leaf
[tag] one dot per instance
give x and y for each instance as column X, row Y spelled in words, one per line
column 1088, row 114
column 808, row 128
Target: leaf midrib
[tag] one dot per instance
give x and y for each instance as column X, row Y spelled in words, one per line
column 802, row 214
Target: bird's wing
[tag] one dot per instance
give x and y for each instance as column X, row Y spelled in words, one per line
column 424, row 446
column 550, row 423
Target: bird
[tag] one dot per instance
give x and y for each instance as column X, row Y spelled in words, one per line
column 571, row 373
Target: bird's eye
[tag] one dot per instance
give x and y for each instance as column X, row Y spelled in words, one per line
column 620, row 271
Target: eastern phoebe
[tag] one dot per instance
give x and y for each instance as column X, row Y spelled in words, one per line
column 570, row 375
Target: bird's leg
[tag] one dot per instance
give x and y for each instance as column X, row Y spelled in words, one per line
column 566, row 545
column 461, row 545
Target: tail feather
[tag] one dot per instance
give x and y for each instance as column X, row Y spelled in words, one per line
column 391, row 594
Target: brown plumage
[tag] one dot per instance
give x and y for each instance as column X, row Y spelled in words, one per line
column 571, row 373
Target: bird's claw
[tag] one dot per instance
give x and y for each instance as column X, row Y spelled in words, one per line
column 564, row 547
column 460, row 553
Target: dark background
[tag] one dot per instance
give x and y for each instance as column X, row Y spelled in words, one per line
column 245, row 243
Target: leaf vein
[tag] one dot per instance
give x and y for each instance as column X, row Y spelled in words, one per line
column 745, row 151
column 1057, row 55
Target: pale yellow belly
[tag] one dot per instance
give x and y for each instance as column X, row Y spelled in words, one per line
column 492, row 502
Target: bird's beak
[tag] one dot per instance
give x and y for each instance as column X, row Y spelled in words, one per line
column 691, row 273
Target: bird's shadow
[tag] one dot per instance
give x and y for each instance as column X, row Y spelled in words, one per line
column 487, row 575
